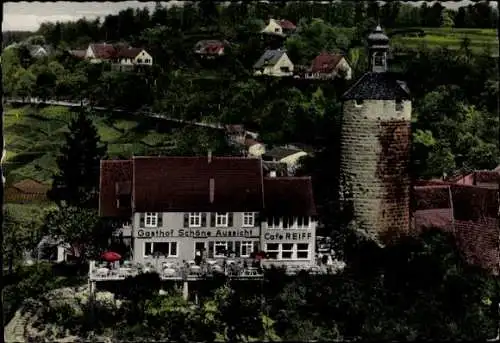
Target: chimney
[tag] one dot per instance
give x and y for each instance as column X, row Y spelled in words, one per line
column 212, row 189
column 272, row 173
column 209, row 156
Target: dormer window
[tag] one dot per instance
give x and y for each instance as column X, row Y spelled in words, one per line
column 123, row 201
column 358, row 102
column 399, row 105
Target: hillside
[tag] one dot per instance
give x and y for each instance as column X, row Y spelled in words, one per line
column 450, row 38
column 33, row 138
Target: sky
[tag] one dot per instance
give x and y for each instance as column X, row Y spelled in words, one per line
column 27, row 16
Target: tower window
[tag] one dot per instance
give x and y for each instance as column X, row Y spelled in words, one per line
column 358, row 102
column 399, row 105
column 378, row 59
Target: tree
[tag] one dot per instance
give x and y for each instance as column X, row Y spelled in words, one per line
column 25, row 85
column 80, row 228
column 21, row 233
column 446, row 19
column 77, row 181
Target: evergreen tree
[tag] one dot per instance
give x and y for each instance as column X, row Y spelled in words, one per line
column 77, row 182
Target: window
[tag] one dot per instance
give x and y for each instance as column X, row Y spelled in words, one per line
column 147, row 60
column 272, row 250
column 399, row 105
column 221, row 219
column 151, row 219
column 378, row 60
column 358, row 103
column 288, row 222
column 273, row 222
column 276, row 29
column 123, row 201
column 139, row 60
column 285, row 69
column 166, row 249
column 302, row 251
column 246, row 249
column 248, row 219
column 286, row 251
column 303, row 223
column 220, row 249
column 195, row 219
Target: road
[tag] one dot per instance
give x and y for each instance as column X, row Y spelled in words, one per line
column 217, row 126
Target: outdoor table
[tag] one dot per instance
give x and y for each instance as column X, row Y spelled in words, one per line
column 169, row 271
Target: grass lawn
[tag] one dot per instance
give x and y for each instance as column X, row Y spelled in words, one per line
column 34, row 136
column 451, row 38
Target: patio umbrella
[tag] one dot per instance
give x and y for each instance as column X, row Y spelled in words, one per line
column 111, row 256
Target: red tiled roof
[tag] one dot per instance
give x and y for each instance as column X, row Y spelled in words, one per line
column 181, row 184
column 128, row 52
column 103, row 51
column 210, row 47
column 287, row 24
column 115, row 176
column 325, row 62
column 31, row 186
column 470, row 213
column 26, row 191
column 250, row 142
column 487, row 176
column 289, row 196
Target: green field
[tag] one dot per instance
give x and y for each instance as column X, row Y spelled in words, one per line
column 34, row 136
column 451, row 38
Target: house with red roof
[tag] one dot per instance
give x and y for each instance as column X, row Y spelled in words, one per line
column 480, row 178
column 179, row 207
column 118, row 54
column 327, row 66
column 469, row 212
column 210, row 48
column 280, row 27
column 26, row 191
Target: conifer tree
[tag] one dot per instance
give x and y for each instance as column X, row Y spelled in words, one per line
column 77, row 181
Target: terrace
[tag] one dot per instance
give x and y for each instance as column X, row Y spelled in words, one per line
column 233, row 268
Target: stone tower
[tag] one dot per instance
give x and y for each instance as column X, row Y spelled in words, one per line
column 375, row 147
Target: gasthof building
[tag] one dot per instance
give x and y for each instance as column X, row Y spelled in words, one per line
column 174, row 207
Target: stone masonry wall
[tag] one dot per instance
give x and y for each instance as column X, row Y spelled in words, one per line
column 375, row 156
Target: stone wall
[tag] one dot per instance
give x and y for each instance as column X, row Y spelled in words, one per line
column 375, row 156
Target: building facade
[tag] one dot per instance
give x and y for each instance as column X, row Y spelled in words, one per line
column 175, row 208
column 375, row 147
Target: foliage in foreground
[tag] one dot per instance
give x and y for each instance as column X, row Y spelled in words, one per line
column 382, row 295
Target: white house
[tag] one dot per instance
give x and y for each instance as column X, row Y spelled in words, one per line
column 118, row 54
column 254, row 148
column 274, row 63
column 38, row 51
column 287, row 155
column 279, row 27
column 327, row 66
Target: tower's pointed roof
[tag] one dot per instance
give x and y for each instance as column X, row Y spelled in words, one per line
column 378, row 37
column 378, row 85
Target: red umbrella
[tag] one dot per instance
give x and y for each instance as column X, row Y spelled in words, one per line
column 111, row 256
